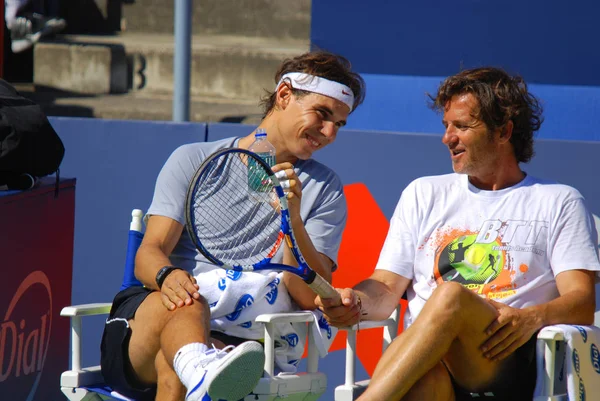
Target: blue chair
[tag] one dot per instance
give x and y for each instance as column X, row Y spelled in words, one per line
column 87, row 384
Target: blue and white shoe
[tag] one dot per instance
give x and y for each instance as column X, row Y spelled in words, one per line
column 230, row 376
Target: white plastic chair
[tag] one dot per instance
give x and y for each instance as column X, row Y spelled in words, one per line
column 87, row 384
column 553, row 368
column 551, row 347
column 551, row 341
column 351, row 389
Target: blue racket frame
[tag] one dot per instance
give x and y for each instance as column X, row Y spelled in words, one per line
column 315, row 281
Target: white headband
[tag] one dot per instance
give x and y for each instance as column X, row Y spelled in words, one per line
column 321, row 86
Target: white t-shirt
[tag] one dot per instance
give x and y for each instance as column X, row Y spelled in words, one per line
column 506, row 245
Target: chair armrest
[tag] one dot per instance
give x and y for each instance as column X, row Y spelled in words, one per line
column 551, row 334
column 293, row 317
column 546, row 362
column 391, row 323
column 76, row 312
column 86, row 309
column 369, row 324
column 554, row 376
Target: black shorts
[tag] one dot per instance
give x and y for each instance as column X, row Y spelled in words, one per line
column 114, row 348
column 516, row 382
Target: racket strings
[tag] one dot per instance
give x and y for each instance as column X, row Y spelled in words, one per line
column 235, row 220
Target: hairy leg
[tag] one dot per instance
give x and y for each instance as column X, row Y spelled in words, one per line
column 450, row 328
column 156, row 329
column 436, row 385
column 168, row 387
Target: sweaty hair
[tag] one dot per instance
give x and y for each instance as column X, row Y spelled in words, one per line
column 501, row 98
column 322, row 64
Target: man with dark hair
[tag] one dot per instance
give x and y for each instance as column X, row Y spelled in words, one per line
column 157, row 340
column 487, row 256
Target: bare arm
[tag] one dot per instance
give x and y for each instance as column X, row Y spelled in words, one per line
column 379, row 295
column 302, row 294
column 320, row 263
column 317, row 261
column 160, row 238
column 577, row 301
column 513, row 327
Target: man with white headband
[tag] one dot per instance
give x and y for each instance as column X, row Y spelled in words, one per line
column 311, row 83
column 158, row 341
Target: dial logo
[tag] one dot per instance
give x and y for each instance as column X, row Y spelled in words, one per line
column 24, row 340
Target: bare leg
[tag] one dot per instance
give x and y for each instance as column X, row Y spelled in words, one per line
column 450, row 328
column 436, row 385
column 169, row 387
column 156, row 329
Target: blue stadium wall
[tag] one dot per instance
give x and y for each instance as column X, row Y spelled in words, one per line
column 404, row 49
column 116, row 164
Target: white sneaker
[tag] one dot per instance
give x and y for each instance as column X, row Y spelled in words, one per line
column 230, row 376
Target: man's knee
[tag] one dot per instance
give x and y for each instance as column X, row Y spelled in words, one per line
column 152, row 313
column 453, row 305
column 449, row 289
column 449, row 298
column 196, row 311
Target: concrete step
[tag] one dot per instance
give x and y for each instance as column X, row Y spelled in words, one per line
column 91, row 16
column 228, row 67
column 137, row 106
column 277, row 19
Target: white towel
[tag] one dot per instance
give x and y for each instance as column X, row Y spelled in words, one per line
column 581, row 358
column 237, row 298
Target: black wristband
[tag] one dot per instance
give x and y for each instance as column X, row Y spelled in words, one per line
column 162, row 274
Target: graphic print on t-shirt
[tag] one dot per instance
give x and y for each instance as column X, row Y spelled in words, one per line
column 489, row 260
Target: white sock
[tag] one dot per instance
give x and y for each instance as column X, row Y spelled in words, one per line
column 186, row 359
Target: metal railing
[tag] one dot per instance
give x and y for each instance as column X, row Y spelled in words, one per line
column 182, row 60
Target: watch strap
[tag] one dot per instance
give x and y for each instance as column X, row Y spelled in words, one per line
column 162, row 274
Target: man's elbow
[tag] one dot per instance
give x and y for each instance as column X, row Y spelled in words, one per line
column 589, row 314
column 586, row 312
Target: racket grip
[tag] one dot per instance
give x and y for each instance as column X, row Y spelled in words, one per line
column 325, row 290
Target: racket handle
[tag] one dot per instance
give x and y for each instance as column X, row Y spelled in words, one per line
column 325, row 290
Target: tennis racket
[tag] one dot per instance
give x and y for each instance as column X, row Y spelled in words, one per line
column 237, row 217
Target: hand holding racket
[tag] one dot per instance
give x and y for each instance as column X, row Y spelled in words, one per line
column 291, row 185
column 237, row 217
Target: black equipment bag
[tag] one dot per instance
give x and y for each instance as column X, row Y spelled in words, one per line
column 29, row 147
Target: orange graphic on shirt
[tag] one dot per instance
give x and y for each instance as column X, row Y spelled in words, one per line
column 480, row 267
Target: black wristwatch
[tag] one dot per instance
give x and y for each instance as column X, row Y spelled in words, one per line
column 163, row 273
